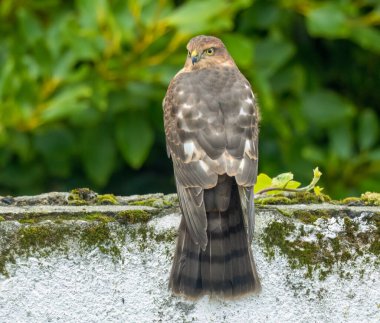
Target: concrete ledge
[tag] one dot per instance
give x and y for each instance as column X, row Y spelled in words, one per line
column 35, row 211
column 110, row 263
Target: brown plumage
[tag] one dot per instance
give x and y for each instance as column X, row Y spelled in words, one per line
column 211, row 127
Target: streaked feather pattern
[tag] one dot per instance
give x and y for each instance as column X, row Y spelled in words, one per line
column 211, row 128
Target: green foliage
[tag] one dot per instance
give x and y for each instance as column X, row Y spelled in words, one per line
column 81, row 86
column 285, row 183
column 135, row 138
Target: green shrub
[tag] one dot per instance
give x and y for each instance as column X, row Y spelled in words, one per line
column 81, row 86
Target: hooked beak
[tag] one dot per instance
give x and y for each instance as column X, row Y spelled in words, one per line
column 194, row 57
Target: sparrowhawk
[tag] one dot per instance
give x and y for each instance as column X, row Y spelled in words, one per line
column 211, row 126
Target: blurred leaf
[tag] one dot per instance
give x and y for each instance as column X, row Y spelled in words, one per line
column 261, row 85
column 20, row 145
column 263, row 15
column 134, row 137
column 240, row 48
column 368, row 129
column 271, row 54
column 292, row 79
column 98, row 154
column 23, row 175
column 56, row 145
column 341, row 140
column 367, row 37
column 328, row 20
column 374, row 155
column 370, row 183
column 196, row 16
column 30, row 26
column 325, row 108
column 86, row 49
column 43, row 57
column 125, row 22
column 314, row 154
column 64, row 65
column 31, row 66
column 66, row 103
column 91, row 12
column 55, row 39
column 89, row 117
column 5, row 77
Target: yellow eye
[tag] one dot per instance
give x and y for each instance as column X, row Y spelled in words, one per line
column 210, row 51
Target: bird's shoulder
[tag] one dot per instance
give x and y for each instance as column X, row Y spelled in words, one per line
column 216, row 80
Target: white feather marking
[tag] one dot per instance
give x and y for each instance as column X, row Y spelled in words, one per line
column 203, row 165
column 189, row 148
column 242, row 165
column 247, row 147
column 186, row 106
column 248, row 100
column 242, row 112
column 246, row 86
column 181, row 92
column 180, row 115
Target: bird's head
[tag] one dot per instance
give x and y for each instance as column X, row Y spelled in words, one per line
column 206, row 51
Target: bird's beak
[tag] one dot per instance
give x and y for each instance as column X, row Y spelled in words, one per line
column 194, row 57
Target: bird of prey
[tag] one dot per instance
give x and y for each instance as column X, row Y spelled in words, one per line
column 211, row 127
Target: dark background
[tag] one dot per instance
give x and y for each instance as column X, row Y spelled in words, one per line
column 81, row 86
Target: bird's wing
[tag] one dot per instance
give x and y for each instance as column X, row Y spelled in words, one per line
column 191, row 172
column 209, row 131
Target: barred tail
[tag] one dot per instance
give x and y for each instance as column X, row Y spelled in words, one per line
column 226, row 267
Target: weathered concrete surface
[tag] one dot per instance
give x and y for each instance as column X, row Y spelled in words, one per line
column 17, row 212
column 121, row 275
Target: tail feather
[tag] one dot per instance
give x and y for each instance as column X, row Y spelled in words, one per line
column 226, row 267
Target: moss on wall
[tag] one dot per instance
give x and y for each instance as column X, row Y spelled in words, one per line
column 293, row 198
column 85, row 196
column 368, row 198
column 42, row 239
column 134, row 216
column 144, row 234
column 298, row 236
column 307, row 246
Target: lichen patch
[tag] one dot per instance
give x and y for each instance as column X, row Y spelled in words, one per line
column 320, row 244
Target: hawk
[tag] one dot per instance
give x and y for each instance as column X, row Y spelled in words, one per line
column 211, row 127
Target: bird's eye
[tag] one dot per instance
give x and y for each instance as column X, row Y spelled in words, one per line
column 210, row 51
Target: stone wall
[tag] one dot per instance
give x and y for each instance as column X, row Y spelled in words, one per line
column 83, row 257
